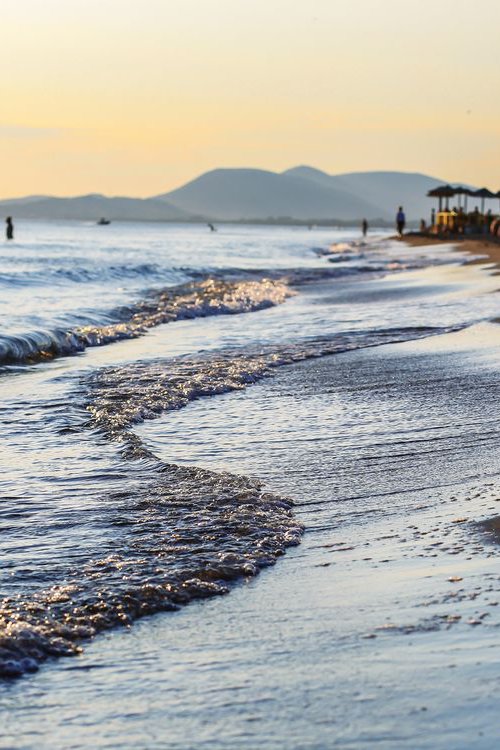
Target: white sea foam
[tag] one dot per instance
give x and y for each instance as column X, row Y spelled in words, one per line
column 196, row 299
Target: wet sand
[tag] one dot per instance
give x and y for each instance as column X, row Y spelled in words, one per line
column 492, row 526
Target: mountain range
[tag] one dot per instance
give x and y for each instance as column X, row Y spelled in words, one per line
column 300, row 194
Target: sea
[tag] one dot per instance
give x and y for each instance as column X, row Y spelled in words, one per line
column 249, row 489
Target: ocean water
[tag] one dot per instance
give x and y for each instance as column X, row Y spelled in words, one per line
column 183, row 410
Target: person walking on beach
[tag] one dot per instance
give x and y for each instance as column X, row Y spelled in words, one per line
column 9, row 229
column 364, row 227
column 400, row 221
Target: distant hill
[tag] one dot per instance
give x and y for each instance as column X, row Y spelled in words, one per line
column 299, row 194
column 232, row 194
column 25, row 199
column 388, row 190
column 92, row 207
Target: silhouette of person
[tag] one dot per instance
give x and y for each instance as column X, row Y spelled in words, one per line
column 364, row 227
column 400, row 221
column 9, row 229
column 211, row 227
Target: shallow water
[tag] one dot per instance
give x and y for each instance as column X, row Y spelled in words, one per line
column 146, row 474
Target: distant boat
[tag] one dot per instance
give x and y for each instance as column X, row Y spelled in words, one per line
column 102, row 221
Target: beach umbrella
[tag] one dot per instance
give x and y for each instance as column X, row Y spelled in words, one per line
column 483, row 193
column 442, row 191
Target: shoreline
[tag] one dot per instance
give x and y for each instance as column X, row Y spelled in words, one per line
column 472, row 246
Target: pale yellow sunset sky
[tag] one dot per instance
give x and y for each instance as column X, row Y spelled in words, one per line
column 136, row 97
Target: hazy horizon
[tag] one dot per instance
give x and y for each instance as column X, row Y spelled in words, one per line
column 300, row 193
column 139, row 98
column 42, row 194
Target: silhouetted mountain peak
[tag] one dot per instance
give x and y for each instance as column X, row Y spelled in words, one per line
column 301, row 193
column 303, row 170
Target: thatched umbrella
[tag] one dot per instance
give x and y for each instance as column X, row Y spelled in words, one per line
column 483, row 193
column 442, row 191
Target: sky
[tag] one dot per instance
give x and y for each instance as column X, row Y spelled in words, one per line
column 129, row 97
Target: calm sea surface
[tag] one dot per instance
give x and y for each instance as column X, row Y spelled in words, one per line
column 183, row 409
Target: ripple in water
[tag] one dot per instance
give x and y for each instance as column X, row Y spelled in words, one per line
column 126, row 395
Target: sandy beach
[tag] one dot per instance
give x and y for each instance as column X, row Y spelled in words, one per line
column 477, row 246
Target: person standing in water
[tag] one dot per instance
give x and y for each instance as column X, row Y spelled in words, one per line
column 400, row 221
column 9, row 229
column 364, row 227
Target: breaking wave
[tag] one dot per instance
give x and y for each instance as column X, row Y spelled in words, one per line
column 225, row 292
column 195, row 299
